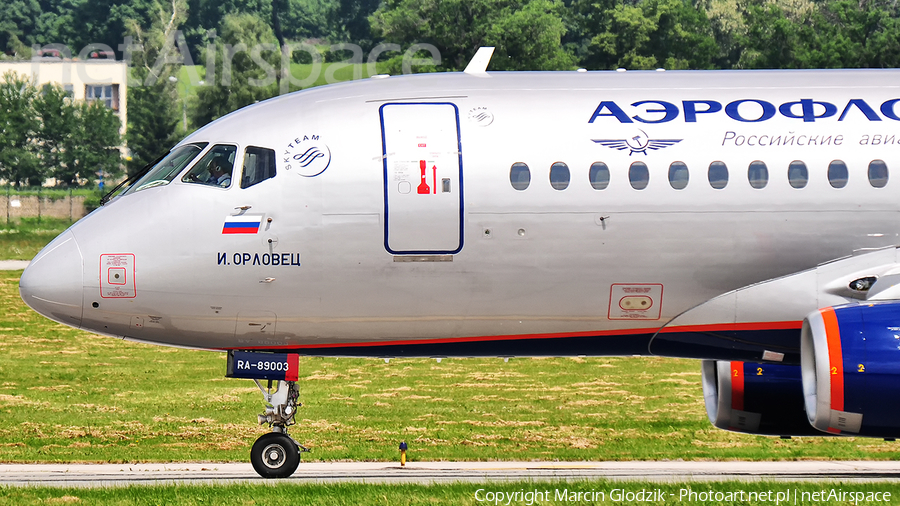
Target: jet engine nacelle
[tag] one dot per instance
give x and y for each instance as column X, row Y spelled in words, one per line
column 850, row 357
column 755, row 398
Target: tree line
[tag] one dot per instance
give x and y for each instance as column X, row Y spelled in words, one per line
column 45, row 134
column 527, row 35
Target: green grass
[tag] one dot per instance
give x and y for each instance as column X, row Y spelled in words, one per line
column 343, row 72
column 300, row 71
column 70, row 396
column 340, row 494
column 187, row 90
column 23, row 239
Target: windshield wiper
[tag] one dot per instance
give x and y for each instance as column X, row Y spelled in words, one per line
column 139, row 174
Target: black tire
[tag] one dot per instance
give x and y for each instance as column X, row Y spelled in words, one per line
column 275, row 455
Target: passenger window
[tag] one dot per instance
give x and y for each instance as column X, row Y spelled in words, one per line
column 838, row 174
column 878, row 174
column 639, row 175
column 599, row 175
column 215, row 168
column 758, row 175
column 259, row 165
column 798, row 176
column 519, row 176
column 678, row 175
column 559, row 176
column 718, row 175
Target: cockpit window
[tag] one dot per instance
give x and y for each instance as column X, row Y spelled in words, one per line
column 168, row 168
column 215, row 168
column 259, row 165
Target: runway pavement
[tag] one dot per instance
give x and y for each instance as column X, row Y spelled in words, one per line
column 96, row 475
column 13, row 265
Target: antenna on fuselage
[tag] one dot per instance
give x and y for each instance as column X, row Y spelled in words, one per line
column 478, row 64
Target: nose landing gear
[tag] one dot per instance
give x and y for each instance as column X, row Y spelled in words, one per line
column 277, row 455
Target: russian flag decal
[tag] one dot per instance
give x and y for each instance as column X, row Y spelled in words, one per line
column 243, row 224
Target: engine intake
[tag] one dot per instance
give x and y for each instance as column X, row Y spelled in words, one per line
column 755, row 398
column 850, row 357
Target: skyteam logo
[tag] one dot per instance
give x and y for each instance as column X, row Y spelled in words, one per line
column 481, row 116
column 307, row 156
column 638, row 143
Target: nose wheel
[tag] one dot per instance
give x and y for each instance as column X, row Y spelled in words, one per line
column 275, row 455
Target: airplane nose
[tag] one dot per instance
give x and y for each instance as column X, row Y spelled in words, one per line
column 52, row 284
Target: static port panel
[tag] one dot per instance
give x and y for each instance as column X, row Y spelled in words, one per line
column 423, row 179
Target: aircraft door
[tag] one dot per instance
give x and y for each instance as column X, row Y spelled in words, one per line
column 423, row 176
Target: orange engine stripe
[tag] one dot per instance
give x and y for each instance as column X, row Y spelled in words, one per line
column 836, row 359
column 737, row 386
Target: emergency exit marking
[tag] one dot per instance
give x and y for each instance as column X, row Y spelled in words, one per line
column 423, row 188
column 420, row 150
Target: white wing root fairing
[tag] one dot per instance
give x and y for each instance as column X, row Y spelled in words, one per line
column 764, row 314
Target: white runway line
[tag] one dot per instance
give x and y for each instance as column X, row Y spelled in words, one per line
column 96, row 475
column 13, row 265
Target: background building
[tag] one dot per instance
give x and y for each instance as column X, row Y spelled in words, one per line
column 101, row 79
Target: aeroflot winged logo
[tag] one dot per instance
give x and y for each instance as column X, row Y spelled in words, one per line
column 638, row 143
column 746, row 110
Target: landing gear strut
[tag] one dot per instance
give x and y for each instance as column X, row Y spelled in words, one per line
column 274, row 455
column 277, row 455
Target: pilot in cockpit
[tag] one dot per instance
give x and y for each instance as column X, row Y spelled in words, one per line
column 220, row 172
column 214, row 169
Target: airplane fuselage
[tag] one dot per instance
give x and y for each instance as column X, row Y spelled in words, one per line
column 393, row 225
